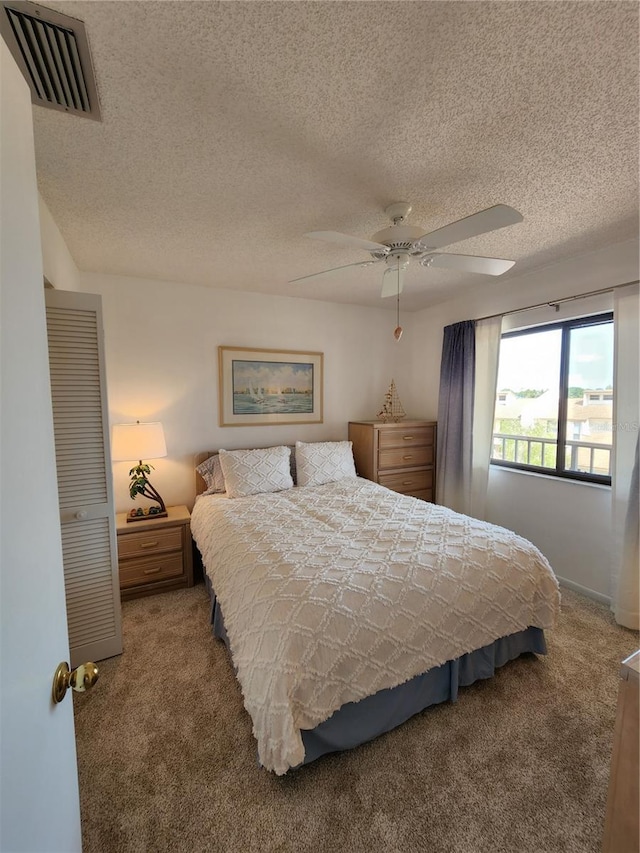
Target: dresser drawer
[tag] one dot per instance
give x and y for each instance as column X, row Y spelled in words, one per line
column 423, row 494
column 151, row 541
column 409, row 483
column 148, row 569
column 404, row 457
column 409, row 437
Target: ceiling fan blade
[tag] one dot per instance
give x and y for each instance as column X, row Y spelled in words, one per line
column 347, row 240
column 333, row 269
column 471, row 226
column 469, row 263
column 392, row 282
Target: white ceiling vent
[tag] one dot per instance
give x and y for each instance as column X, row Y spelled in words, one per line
column 53, row 54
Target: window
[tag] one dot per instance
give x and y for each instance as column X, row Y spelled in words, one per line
column 554, row 404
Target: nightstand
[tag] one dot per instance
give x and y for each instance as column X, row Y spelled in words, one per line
column 154, row 555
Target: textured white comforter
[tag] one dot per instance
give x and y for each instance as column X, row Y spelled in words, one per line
column 334, row 592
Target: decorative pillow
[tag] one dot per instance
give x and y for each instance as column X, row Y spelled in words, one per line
column 254, row 472
column 211, row 473
column 324, row 462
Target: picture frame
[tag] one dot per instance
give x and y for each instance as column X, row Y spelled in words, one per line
column 265, row 387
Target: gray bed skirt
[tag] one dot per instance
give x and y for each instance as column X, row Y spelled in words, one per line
column 358, row 722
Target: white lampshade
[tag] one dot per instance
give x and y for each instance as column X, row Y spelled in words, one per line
column 137, row 441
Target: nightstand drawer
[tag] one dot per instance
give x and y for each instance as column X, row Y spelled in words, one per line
column 405, row 457
column 422, row 435
column 150, row 541
column 149, row 569
column 409, row 483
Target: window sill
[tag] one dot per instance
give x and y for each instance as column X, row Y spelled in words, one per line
column 568, row 480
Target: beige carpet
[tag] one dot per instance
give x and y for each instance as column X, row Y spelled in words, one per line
column 167, row 760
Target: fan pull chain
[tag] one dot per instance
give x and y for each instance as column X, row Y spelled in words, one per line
column 397, row 333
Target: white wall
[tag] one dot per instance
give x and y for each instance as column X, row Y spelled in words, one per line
column 58, row 266
column 161, row 341
column 570, row 522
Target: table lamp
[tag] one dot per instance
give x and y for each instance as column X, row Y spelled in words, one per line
column 140, row 441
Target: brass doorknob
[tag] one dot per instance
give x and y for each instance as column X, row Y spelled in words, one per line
column 79, row 679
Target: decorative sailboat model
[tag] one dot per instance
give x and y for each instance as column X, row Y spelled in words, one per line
column 392, row 407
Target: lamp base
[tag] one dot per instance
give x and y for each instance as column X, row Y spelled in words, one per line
column 148, row 516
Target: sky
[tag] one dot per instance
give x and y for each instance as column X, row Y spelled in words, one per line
column 533, row 361
column 267, row 374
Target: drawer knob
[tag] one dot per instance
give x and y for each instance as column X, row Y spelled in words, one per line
column 145, row 545
column 407, row 457
column 407, row 482
column 152, row 571
column 407, row 438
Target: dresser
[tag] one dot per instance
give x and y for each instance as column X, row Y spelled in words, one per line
column 154, row 555
column 400, row 456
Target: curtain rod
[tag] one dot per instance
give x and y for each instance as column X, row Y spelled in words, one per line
column 553, row 302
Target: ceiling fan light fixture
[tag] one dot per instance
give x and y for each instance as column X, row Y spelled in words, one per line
column 397, row 261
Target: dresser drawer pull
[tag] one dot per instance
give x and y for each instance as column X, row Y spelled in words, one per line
column 407, row 438
column 152, row 571
column 408, row 457
column 144, row 545
column 407, row 482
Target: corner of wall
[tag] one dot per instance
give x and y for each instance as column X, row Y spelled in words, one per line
column 59, row 268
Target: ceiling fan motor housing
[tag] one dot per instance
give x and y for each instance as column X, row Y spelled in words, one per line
column 400, row 237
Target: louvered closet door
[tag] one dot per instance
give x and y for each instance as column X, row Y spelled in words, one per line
column 87, row 519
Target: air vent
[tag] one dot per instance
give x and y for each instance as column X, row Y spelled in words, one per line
column 53, row 54
column 400, row 244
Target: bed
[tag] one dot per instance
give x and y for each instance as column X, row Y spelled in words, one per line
column 346, row 607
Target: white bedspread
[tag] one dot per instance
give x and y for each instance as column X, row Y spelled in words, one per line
column 332, row 593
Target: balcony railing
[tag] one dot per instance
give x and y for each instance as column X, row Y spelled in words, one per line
column 583, row 456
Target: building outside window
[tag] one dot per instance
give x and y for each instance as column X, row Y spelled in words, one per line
column 554, row 403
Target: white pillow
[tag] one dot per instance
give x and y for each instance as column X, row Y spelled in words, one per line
column 211, row 472
column 324, row 462
column 254, row 472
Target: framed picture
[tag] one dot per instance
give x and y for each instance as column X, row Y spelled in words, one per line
column 262, row 387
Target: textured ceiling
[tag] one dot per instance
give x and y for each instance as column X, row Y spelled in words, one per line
column 229, row 129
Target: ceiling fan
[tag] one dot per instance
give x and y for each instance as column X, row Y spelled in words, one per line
column 399, row 244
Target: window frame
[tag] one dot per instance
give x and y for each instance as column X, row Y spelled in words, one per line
column 559, row 471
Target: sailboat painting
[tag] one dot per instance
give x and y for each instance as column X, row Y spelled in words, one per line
column 269, row 386
column 272, row 386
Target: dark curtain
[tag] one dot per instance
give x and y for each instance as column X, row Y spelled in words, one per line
column 455, row 416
